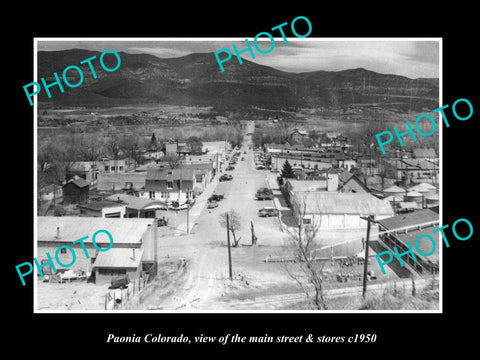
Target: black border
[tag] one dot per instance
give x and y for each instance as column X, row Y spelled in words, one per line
column 405, row 332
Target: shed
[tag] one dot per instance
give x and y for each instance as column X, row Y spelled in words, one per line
column 75, row 191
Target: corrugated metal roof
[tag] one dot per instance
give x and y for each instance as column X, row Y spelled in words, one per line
column 124, row 231
column 119, row 258
column 412, row 218
column 324, row 202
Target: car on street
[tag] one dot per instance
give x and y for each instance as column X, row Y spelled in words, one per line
column 230, row 167
column 264, row 196
column 226, row 177
column 268, row 211
column 215, row 197
column 212, row 205
column 260, row 167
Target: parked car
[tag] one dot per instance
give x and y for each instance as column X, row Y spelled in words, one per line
column 176, row 206
column 230, row 167
column 268, row 211
column 215, row 197
column 226, row 177
column 212, row 205
column 264, row 190
column 264, row 196
column 260, row 167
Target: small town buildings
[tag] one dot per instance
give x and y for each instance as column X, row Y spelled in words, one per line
column 424, row 153
column 131, row 183
column 354, row 185
column 138, row 207
column 412, row 170
column 133, row 250
column 170, row 184
column 395, row 231
column 103, row 209
column 75, row 191
column 86, row 170
column 334, row 210
column 297, row 136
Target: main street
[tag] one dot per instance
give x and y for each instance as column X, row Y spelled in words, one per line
column 204, row 249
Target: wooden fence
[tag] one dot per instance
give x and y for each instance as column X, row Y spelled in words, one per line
column 116, row 298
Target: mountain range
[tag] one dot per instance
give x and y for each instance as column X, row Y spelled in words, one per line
column 196, row 79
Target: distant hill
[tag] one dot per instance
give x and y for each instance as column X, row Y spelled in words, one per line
column 196, row 79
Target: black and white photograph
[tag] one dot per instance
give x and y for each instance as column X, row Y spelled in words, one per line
column 223, row 180
column 252, row 184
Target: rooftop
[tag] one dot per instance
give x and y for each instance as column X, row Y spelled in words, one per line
column 117, row 181
column 409, row 219
column 71, row 228
column 81, row 183
column 133, row 202
column 323, row 202
column 119, row 258
column 181, row 173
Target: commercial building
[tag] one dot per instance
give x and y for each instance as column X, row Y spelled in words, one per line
column 133, row 250
column 395, row 231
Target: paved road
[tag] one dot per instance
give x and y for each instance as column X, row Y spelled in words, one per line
column 205, row 246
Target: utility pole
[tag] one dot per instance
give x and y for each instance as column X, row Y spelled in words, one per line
column 188, row 216
column 229, row 252
column 369, row 219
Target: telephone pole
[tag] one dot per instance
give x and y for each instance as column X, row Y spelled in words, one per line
column 369, row 219
column 229, row 252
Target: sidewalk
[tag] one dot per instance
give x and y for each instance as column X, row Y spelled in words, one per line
column 197, row 208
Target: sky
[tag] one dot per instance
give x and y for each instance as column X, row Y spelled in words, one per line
column 410, row 57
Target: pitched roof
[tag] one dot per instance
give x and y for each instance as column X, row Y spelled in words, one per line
column 344, row 176
column 71, row 228
column 81, row 183
column 324, row 202
column 119, row 258
column 106, row 181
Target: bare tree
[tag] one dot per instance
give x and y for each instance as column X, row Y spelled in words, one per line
column 130, row 145
column 307, row 270
column 234, row 225
column 172, row 160
column 112, row 144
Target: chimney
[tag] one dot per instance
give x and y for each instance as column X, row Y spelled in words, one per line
column 58, row 233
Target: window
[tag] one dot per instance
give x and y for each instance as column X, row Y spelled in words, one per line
column 170, row 185
column 112, row 272
column 152, row 194
column 106, row 167
column 120, row 168
column 307, row 221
